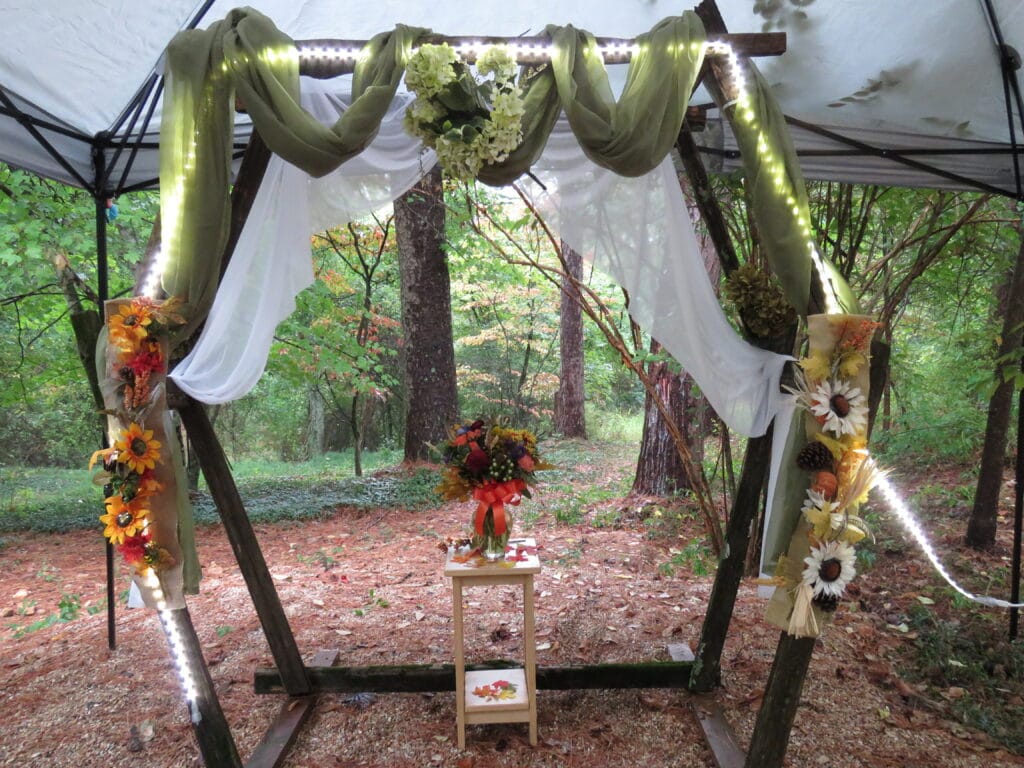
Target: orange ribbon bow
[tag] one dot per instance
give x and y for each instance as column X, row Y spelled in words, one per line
column 495, row 496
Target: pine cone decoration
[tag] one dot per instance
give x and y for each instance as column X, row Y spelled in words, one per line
column 815, row 456
column 827, row 603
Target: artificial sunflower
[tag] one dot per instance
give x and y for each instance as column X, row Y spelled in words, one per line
column 122, row 520
column 137, row 448
column 129, row 326
column 839, row 407
column 829, row 568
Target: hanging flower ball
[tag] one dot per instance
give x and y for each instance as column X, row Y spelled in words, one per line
column 829, row 568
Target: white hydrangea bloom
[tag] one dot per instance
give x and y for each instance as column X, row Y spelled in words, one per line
column 430, row 69
column 497, row 60
column 496, row 132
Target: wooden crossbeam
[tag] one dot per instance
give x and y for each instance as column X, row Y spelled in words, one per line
column 324, row 59
column 725, row 748
column 271, row 752
column 425, row 678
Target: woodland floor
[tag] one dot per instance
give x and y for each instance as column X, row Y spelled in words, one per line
column 370, row 584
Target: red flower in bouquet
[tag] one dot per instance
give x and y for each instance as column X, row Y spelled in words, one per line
column 477, row 462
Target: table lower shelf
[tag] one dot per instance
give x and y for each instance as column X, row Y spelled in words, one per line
column 498, row 691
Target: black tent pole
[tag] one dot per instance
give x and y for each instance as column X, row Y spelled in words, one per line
column 99, row 195
column 1018, row 516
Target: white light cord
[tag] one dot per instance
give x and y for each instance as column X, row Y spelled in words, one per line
column 907, row 519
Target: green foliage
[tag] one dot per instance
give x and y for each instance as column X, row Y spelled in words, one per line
column 505, row 316
column 372, row 601
column 696, row 557
column 47, row 416
column 969, row 652
column 48, row 500
column 615, row 426
column 69, row 607
column 56, row 500
column 322, row 558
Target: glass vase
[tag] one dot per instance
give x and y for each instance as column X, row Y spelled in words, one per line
column 492, row 545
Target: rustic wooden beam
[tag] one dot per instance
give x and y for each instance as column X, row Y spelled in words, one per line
column 425, row 678
column 719, row 735
column 878, row 376
column 211, row 729
column 703, row 196
column 243, row 540
column 707, row 668
column 793, row 655
column 272, row 750
column 324, row 59
column 243, row 193
column 775, row 719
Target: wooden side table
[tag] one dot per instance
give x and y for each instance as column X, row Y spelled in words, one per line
column 522, row 707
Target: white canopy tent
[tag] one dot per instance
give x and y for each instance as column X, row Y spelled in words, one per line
column 921, row 94
column 908, row 93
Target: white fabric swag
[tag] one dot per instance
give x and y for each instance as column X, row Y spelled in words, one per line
column 636, row 230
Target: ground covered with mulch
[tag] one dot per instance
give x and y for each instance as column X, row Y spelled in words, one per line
column 369, row 583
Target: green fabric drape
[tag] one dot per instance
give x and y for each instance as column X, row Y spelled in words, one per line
column 245, row 54
column 541, row 109
column 778, row 194
column 631, row 136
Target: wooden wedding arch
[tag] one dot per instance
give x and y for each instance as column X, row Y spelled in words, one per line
column 302, row 682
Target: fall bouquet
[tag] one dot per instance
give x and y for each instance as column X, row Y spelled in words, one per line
column 494, row 465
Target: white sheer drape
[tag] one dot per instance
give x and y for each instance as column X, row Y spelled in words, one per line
column 637, row 230
column 271, row 263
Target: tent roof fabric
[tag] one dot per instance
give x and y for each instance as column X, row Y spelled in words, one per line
column 920, row 76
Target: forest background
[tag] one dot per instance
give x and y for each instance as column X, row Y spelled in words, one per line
column 942, row 272
column 934, row 267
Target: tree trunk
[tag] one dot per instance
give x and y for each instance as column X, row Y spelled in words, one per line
column 570, row 418
column 316, row 424
column 86, row 324
column 429, row 353
column 357, row 436
column 981, row 528
column 659, row 470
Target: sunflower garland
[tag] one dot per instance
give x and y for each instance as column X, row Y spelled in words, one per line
column 129, row 466
column 831, row 388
